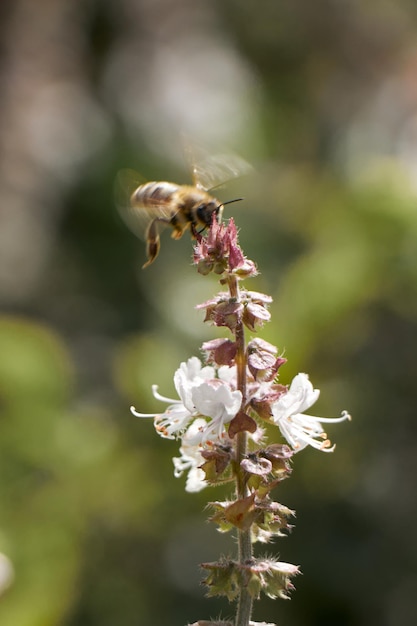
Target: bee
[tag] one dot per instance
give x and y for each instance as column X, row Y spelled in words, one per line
column 182, row 207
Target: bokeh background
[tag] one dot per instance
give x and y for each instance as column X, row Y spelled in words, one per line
column 321, row 97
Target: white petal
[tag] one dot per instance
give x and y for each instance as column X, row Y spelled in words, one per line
column 194, row 372
column 183, row 387
column 191, row 458
column 299, row 397
column 195, row 480
column 217, row 402
column 303, row 392
column 227, row 374
column 189, row 375
column 194, row 434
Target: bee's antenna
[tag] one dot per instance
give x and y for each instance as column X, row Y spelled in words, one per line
column 230, row 202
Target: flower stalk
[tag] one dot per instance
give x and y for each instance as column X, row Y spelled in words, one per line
column 219, row 417
column 245, row 552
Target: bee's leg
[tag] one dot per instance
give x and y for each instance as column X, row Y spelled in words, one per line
column 177, row 233
column 178, row 225
column 196, row 234
column 153, row 241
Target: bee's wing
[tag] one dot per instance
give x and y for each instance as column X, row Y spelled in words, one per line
column 136, row 216
column 211, row 171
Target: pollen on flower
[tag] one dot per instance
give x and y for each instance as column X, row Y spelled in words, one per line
column 326, row 444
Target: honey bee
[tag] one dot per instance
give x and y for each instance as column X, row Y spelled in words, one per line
column 182, row 207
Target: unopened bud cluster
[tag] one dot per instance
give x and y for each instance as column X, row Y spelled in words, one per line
column 219, row 252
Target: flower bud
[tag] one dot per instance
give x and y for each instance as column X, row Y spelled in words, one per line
column 220, row 351
column 255, row 315
column 204, row 266
column 241, row 422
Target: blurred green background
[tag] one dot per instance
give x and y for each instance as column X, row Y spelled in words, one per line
column 321, row 97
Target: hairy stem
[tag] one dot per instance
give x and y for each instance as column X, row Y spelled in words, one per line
column 244, row 607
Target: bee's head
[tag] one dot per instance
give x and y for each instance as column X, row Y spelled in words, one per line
column 206, row 211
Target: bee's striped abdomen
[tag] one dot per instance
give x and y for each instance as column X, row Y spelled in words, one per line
column 154, row 194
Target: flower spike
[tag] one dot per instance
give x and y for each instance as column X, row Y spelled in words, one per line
column 218, row 416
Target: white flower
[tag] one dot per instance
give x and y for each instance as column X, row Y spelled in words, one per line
column 191, row 458
column 299, row 429
column 201, row 394
column 189, row 375
column 216, row 400
column 228, row 374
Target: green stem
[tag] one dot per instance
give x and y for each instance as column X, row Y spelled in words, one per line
column 244, row 607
